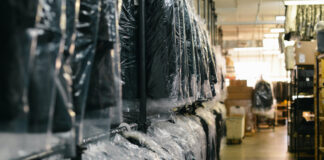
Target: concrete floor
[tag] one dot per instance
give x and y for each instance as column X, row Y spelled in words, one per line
column 264, row 145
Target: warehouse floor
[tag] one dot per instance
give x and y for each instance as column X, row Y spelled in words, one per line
column 264, row 145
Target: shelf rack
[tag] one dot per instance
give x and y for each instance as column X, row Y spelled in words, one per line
column 319, row 116
column 299, row 142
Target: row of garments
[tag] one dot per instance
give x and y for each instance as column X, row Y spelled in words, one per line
column 71, row 67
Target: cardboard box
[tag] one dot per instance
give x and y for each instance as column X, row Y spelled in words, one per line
column 239, row 89
column 246, row 95
column 305, row 52
column 238, row 83
column 233, row 102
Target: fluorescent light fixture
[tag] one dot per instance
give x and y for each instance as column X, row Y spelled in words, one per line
column 248, row 49
column 271, row 35
column 256, row 50
column 280, row 18
column 303, row 2
column 277, row 30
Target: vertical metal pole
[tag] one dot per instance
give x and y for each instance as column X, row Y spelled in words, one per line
column 142, row 72
column 317, row 121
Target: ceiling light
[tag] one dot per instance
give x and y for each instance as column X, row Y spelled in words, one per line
column 271, row 35
column 248, row 49
column 277, row 30
column 303, row 2
column 280, row 18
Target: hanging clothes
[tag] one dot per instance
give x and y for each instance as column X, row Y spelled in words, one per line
column 262, row 96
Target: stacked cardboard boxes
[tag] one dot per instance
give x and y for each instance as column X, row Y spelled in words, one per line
column 239, row 90
column 239, row 94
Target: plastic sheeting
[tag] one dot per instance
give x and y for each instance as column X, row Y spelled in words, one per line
column 182, row 41
column 103, row 81
column 181, row 135
column 146, row 141
column 104, row 89
column 193, row 135
column 50, row 44
column 163, row 45
column 164, row 138
column 262, row 96
column 182, row 65
column 34, row 45
column 86, row 40
column 116, row 149
column 139, row 152
column 16, row 60
column 196, row 135
column 128, row 30
column 208, row 122
column 96, row 69
column 63, row 112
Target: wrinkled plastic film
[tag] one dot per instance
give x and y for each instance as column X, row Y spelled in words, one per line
column 63, row 112
column 128, row 31
column 117, row 113
column 195, row 136
column 18, row 47
column 181, row 64
column 146, row 141
column 212, row 65
column 208, row 122
column 42, row 43
column 195, row 63
column 164, row 138
column 197, row 56
column 136, row 151
column 163, row 54
column 85, row 45
column 204, row 68
column 104, row 95
column 184, row 61
column 262, row 97
column 116, row 149
column 220, row 86
column 64, row 115
column 190, row 51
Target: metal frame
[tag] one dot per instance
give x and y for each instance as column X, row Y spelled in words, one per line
column 44, row 154
column 295, row 110
column 318, row 119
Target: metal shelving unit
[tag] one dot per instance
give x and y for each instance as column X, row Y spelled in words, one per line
column 301, row 141
column 319, row 116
